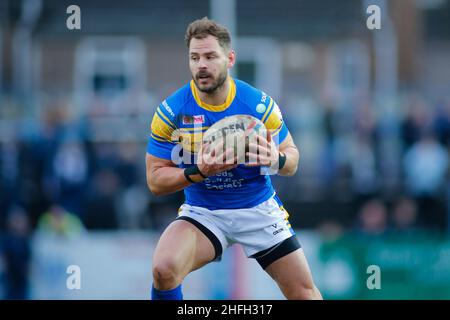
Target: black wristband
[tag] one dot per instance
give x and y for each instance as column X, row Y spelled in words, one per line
column 193, row 171
column 187, row 177
column 281, row 160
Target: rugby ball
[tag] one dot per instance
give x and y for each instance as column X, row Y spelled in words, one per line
column 237, row 132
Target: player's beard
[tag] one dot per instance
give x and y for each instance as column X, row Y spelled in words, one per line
column 216, row 84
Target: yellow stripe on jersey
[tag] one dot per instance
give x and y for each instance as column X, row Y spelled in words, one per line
column 268, row 111
column 277, row 131
column 162, row 116
column 158, row 138
column 160, row 128
column 273, row 122
column 210, row 107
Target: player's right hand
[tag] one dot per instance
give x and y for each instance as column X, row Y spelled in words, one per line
column 212, row 161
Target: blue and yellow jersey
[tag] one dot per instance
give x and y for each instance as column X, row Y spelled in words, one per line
column 177, row 127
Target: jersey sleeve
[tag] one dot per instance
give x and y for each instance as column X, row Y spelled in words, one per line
column 273, row 120
column 163, row 133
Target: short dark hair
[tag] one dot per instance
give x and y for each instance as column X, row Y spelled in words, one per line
column 201, row 28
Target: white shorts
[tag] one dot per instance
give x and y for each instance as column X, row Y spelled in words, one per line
column 263, row 231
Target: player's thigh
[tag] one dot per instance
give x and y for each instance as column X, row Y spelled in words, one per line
column 291, row 271
column 184, row 247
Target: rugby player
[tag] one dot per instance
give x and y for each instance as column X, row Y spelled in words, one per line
column 225, row 203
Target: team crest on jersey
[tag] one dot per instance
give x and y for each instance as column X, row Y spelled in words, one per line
column 197, row 119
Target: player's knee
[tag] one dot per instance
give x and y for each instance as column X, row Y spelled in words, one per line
column 165, row 273
column 304, row 292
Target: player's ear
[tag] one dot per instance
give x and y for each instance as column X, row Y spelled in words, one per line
column 231, row 58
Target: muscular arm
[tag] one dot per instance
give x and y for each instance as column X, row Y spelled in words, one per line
column 163, row 177
column 288, row 148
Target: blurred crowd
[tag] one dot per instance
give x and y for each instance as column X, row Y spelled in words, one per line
column 405, row 174
column 60, row 171
column 60, row 168
column 59, row 181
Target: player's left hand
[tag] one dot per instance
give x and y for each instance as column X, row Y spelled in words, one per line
column 262, row 153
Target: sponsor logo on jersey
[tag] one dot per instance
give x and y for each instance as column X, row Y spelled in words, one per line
column 197, row 119
column 278, row 231
column 168, row 108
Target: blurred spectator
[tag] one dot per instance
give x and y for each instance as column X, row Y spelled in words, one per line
column 405, row 216
column 101, row 206
column 42, row 154
column 59, row 222
column 365, row 121
column 330, row 128
column 442, row 124
column 364, row 170
column 9, row 176
column 16, row 251
column 52, row 131
column 69, row 174
column 372, row 218
column 417, row 119
column 133, row 196
column 127, row 164
column 425, row 167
